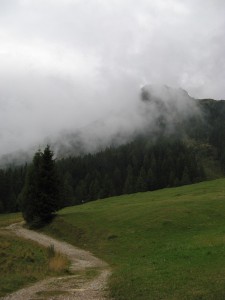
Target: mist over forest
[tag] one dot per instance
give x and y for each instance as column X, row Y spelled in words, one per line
column 72, row 66
column 153, row 103
column 179, row 140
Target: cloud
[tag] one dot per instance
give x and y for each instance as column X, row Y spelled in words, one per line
column 65, row 64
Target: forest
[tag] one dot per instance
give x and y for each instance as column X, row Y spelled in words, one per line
column 148, row 162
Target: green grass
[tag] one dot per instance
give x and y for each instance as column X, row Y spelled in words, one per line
column 7, row 219
column 167, row 244
column 22, row 262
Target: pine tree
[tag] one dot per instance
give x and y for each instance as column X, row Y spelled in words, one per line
column 29, row 196
column 49, row 187
column 141, row 184
column 81, row 191
column 117, row 181
column 94, row 189
column 67, row 193
column 40, row 196
column 129, row 183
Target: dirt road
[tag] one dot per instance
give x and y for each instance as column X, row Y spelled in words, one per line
column 67, row 287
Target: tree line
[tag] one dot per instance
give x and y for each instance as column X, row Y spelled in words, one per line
column 139, row 166
column 135, row 167
column 11, row 183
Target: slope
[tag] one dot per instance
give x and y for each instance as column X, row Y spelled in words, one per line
column 166, row 244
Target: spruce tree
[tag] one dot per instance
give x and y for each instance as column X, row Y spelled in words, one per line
column 141, row 183
column 40, row 195
column 129, row 182
column 29, row 197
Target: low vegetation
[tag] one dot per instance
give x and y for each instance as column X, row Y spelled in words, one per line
column 56, row 261
column 24, row 262
column 7, row 219
column 167, row 244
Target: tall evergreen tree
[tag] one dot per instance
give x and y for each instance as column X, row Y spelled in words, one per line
column 129, row 182
column 40, row 195
column 29, row 196
column 141, row 183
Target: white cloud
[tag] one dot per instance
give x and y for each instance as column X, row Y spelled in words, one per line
column 66, row 63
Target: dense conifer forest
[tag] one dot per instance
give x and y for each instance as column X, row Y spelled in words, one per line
column 192, row 152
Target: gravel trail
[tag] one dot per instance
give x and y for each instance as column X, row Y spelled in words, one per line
column 67, row 287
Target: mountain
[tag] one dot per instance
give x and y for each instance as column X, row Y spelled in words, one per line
column 155, row 105
column 171, row 139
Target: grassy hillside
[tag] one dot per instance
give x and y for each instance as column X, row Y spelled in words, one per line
column 167, row 244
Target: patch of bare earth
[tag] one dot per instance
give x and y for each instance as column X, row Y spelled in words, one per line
column 77, row 286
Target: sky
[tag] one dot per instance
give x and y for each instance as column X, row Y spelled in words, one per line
column 66, row 63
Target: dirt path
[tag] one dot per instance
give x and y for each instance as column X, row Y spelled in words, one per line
column 66, row 287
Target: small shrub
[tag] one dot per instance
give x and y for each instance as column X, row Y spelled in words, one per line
column 58, row 263
column 51, row 251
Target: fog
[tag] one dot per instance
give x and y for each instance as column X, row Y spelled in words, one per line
column 66, row 65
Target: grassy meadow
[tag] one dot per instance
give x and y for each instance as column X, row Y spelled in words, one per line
column 23, row 262
column 166, row 244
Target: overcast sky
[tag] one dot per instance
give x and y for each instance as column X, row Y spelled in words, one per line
column 67, row 63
